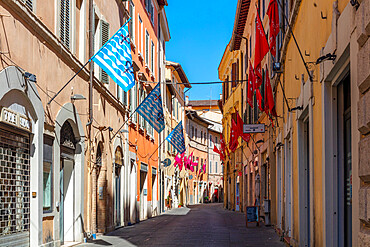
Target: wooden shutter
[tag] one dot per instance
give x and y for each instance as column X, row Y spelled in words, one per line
column 104, row 37
column 233, row 75
column 65, row 22
column 29, row 4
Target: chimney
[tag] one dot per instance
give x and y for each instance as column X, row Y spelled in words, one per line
column 187, row 100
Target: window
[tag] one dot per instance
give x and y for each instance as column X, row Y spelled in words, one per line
column 201, row 136
column 48, row 175
column 141, row 45
column 201, row 161
column 132, row 22
column 205, row 137
column 133, row 102
column 121, row 95
column 147, row 48
column 152, row 62
column 210, row 140
column 192, row 131
column 150, row 9
column 216, row 167
column 64, row 28
column 196, row 134
column 216, row 140
column 250, row 46
column 104, row 37
column 210, row 167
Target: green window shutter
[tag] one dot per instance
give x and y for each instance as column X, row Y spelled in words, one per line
column 104, row 37
column 65, row 22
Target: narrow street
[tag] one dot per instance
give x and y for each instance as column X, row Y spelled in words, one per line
column 198, row 225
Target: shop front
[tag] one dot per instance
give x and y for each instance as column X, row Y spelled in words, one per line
column 21, row 152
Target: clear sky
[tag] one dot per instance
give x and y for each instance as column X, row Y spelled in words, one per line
column 200, row 31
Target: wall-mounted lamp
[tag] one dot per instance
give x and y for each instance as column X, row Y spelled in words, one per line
column 259, row 141
column 78, row 97
column 355, row 3
column 296, row 108
column 279, row 144
column 30, row 77
column 110, row 128
column 276, row 67
column 328, row 56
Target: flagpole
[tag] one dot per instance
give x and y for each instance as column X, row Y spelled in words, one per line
column 123, row 124
column 52, row 99
column 156, row 149
column 68, row 82
column 129, row 117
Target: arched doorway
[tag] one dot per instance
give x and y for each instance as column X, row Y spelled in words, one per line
column 67, row 183
column 101, row 190
column 118, row 170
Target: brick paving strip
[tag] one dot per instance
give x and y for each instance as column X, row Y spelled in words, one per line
column 198, row 225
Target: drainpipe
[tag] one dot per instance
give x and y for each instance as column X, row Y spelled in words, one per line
column 89, row 124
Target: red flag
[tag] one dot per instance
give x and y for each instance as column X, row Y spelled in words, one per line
column 261, row 45
column 233, row 142
column 250, row 85
column 239, row 122
column 269, row 98
column 273, row 14
column 257, row 77
column 216, row 150
column 259, row 99
column 222, row 142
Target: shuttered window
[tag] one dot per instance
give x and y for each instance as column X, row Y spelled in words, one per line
column 29, row 4
column 65, row 13
column 133, row 92
column 152, row 62
column 104, row 37
column 132, row 22
column 147, row 48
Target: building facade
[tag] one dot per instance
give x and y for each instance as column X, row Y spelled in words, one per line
column 308, row 169
column 91, row 174
column 198, row 143
column 174, row 111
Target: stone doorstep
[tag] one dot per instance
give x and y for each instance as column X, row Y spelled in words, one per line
column 69, row 244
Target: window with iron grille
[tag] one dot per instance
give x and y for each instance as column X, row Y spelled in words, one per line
column 14, row 183
column 104, row 37
column 64, row 29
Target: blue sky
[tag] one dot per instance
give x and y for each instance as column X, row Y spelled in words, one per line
column 200, row 32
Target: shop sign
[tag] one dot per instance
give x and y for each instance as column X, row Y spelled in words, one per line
column 253, row 128
column 15, row 118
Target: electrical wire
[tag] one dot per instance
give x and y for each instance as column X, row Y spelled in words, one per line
column 195, row 83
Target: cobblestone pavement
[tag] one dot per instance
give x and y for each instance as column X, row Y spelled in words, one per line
column 198, row 225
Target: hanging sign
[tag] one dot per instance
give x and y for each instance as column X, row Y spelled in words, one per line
column 253, row 128
column 15, row 118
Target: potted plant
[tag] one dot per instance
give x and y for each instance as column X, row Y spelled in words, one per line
column 180, row 205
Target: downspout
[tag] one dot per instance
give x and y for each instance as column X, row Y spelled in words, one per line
column 91, row 117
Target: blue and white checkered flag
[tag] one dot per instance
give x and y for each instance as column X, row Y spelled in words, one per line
column 115, row 59
column 176, row 138
column 151, row 109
